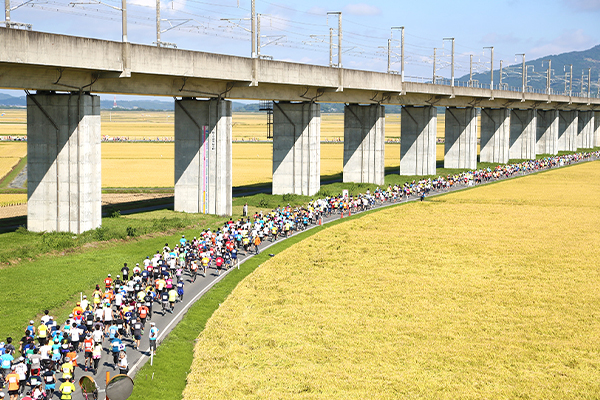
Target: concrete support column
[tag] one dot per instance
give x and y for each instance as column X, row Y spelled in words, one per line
column 567, row 131
column 547, row 132
column 585, row 130
column 296, row 148
column 418, row 140
column 364, row 142
column 203, row 166
column 495, row 135
column 522, row 134
column 596, row 139
column 460, row 148
column 63, row 162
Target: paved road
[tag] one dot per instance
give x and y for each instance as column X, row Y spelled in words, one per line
column 167, row 321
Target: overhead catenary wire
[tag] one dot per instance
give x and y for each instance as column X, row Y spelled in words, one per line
column 361, row 41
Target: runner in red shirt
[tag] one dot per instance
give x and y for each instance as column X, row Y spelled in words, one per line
column 88, row 347
column 108, row 282
column 219, row 264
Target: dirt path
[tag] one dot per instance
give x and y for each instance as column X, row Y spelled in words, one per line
column 20, row 180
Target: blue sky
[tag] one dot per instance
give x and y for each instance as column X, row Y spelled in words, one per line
column 534, row 27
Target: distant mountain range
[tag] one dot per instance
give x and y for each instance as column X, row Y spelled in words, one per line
column 581, row 60
column 160, row 105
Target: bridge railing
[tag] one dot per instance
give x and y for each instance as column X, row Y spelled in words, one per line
column 497, row 86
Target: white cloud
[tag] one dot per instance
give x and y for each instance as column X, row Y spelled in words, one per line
column 362, row 9
column 317, row 10
column 583, row 5
column 143, row 3
column 571, row 40
column 166, row 5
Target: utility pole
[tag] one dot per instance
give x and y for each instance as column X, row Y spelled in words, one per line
column 389, row 52
column 340, row 40
column 253, row 29
column 571, row 82
column 7, row 13
column 549, row 77
column 589, row 81
column 471, row 71
column 452, row 60
column 434, row 56
column 331, row 47
column 491, row 66
column 258, row 35
column 500, row 75
column 339, row 14
column 402, row 56
column 565, row 70
column 124, row 19
column 523, row 72
column 158, row 23
column 390, row 49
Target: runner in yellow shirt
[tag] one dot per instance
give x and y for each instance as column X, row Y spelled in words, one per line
column 67, row 389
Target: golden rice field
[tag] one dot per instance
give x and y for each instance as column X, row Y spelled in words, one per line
column 153, row 124
column 490, row 293
column 12, row 199
column 151, row 164
column 13, row 122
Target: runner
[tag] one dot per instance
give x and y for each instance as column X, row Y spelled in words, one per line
column 172, row 299
column 49, row 382
column 137, row 329
column 13, row 384
column 88, row 346
column 97, row 355
column 180, row 290
column 67, row 389
column 123, row 364
column 153, row 336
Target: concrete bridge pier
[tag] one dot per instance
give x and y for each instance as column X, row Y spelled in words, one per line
column 596, row 138
column 495, row 135
column 418, row 140
column 364, row 143
column 567, row 131
column 63, row 162
column 296, row 148
column 522, row 134
column 203, row 162
column 585, row 130
column 460, row 147
column 547, row 132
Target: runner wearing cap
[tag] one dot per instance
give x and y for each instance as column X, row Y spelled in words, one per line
column 117, row 282
column 108, row 282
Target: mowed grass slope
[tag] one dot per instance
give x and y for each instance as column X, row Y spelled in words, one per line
column 489, row 293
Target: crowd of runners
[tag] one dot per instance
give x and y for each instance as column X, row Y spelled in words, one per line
column 119, row 311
